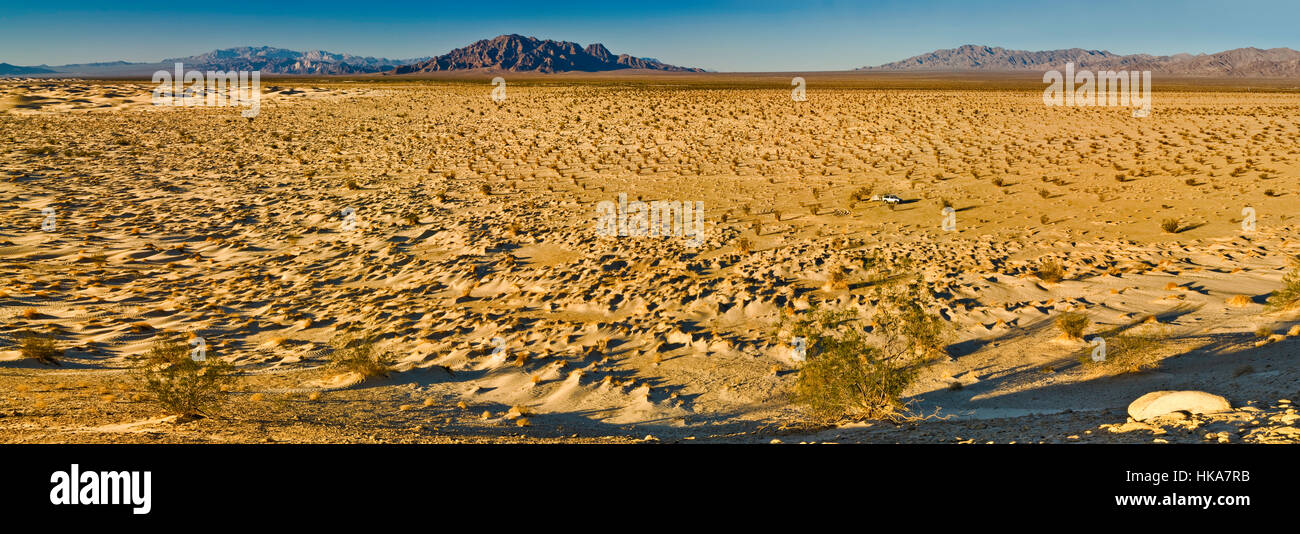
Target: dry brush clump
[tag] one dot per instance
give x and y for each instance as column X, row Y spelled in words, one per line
column 1050, row 271
column 359, row 355
column 39, row 347
column 178, row 383
column 1072, row 324
column 1130, row 352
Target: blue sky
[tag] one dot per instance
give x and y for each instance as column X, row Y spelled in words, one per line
column 756, row 35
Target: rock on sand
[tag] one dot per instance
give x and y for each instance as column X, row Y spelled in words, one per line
column 1159, row 403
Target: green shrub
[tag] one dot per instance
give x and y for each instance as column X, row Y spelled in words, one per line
column 1289, row 296
column 181, row 385
column 853, row 374
column 904, row 326
column 848, row 378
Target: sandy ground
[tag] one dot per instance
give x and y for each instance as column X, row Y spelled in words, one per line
column 197, row 220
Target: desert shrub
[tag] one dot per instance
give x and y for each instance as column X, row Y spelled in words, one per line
column 1050, row 271
column 359, row 355
column 853, row 374
column 848, row 378
column 1289, row 296
column 1072, row 324
column 837, row 278
column 178, row 383
column 903, row 324
column 39, row 347
column 1170, row 226
column 861, row 194
column 744, row 246
column 1130, row 353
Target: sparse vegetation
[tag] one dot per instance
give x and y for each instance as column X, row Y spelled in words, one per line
column 1050, row 271
column 39, row 347
column 178, row 383
column 1171, row 226
column 861, row 194
column 1289, row 296
column 359, row 355
column 1130, row 352
column 1072, row 324
column 744, row 245
column 259, row 256
column 836, row 278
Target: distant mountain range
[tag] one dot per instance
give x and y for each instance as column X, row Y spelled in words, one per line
column 14, row 70
column 513, row 53
column 1241, row 62
column 516, row 53
column 280, row 61
column 267, row 59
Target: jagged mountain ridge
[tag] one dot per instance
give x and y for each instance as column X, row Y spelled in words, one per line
column 517, row 53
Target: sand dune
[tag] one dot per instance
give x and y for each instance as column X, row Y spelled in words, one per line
column 472, row 255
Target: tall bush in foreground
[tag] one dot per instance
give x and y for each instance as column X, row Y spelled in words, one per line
column 854, row 374
column 1289, row 296
column 181, row 385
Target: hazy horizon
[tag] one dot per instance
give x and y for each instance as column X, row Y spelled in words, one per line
column 721, row 36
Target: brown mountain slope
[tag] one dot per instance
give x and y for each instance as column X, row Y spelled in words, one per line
column 517, row 53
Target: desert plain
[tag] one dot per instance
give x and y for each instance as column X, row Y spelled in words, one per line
column 460, row 234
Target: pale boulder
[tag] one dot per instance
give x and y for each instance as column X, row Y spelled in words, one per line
column 1158, row 403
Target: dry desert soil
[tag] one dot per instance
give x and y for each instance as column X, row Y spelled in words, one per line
column 470, row 253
